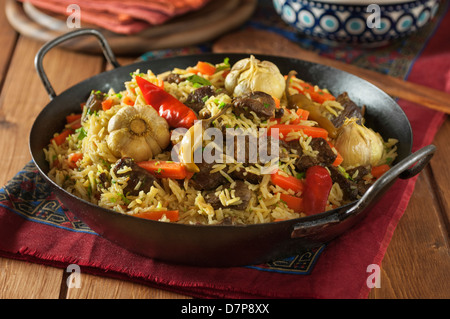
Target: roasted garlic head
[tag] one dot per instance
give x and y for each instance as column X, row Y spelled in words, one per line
column 251, row 75
column 137, row 132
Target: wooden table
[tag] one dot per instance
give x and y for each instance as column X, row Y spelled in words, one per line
column 416, row 265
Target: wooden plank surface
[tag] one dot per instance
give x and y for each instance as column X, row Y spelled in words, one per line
column 416, row 265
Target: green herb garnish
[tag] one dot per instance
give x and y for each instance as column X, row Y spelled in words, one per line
column 300, row 175
column 225, row 65
column 198, row 80
column 81, row 133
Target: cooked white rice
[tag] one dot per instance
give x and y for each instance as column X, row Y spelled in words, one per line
column 166, row 194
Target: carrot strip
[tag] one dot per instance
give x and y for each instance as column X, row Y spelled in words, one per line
column 73, row 121
column 277, row 101
column 205, row 68
column 293, row 202
column 285, row 129
column 172, row 215
column 61, row 138
column 72, row 118
column 339, row 159
column 107, row 104
column 74, row 158
column 165, row 169
column 378, row 171
column 318, row 96
column 128, row 100
column 287, row 182
column 302, row 116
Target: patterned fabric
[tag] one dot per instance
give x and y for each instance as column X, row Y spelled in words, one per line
column 30, row 196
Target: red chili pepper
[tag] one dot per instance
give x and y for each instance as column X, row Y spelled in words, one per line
column 318, row 185
column 176, row 113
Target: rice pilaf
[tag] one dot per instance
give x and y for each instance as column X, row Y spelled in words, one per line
column 85, row 165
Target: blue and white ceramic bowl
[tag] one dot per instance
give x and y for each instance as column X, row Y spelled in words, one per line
column 363, row 22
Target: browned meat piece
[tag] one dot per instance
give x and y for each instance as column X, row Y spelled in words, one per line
column 358, row 178
column 173, row 78
column 204, row 180
column 249, row 150
column 137, row 176
column 241, row 190
column 353, row 186
column 259, row 102
column 94, row 102
column 105, row 182
column 196, row 100
column 349, row 188
column 243, row 175
column 279, row 113
column 359, row 172
column 325, row 155
column 350, row 110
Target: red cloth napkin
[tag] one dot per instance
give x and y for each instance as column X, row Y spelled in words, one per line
column 339, row 271
column 124, row 16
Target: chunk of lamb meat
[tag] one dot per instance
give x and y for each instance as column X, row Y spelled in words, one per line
column 351, row 110
column 205, row 180
column 354, row 186
column 325, row 155
column 244, row 154
column 357, row 174
column 139, row 178
column 241, row 190
column 259, row 102
column 196, row 99
column 94, row 103
column 173, row 78
column 251, row 150
column 243, row 175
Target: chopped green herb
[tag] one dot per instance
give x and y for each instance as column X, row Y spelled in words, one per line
column 344, row 172
column 225, row 65
column 300, row 175
column 89, row 190
column 81, row 133
column 205, row 98
column 198, row 81
column 266, row 105
column 125, row 200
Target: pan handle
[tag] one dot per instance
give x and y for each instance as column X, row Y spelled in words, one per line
column 107, row 52
column 404, row 170
column 407, row 168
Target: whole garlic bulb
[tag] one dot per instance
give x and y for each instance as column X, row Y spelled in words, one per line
column 251, row 75
column 137, row 132
column 358, row 145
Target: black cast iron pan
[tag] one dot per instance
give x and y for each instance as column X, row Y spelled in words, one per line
column 221, row 246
